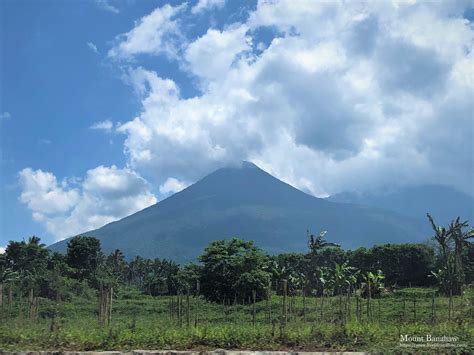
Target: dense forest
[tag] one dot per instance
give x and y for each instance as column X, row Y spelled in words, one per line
column 233, row 269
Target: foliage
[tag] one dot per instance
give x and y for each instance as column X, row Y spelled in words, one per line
column 84, row 255
column 453, row 247
column 233, row 268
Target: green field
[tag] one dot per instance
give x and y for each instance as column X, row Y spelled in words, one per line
column 332, row 323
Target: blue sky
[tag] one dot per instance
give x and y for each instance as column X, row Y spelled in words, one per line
column 109, row 106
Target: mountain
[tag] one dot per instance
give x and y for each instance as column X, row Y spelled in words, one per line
column 442, row 202
column 248, row 203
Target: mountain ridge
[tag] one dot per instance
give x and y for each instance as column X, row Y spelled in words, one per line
column 247, row 202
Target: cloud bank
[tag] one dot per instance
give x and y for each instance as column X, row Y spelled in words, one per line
column 70, row 207
column 342, row 96
column 346, row 97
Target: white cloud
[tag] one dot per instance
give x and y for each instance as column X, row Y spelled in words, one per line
column 155, row 34
column 92, row 47
column 212, row 55
column 105, row 5
column 106, row 125
column 2, row 250
column 349, row 96
column 5, row 116
column 172, row 185
column 204, row 5
column 68, row 208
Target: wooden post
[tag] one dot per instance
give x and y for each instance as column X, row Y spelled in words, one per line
column 100, row 305
column 304, row 304
column 188, row 309
column 380, row 310
column 404, row 308
column 432, row 308
column 31, row 304
column 285, row 309
column 269, row 298
column 450, row 304
column 254, row 296
column 322, row 306
column 109, row 300
column 180, row 320
column 10, row 297
column 369, row 313
column 357, row 307
column 170, row 308
column 414, row 308
column 196, row 314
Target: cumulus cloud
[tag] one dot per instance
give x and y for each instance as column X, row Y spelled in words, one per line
column 205, row 5
column 106, row 125
column 212, row 55
column 348, row 96
column 2, row 250
column 156, row 33
column 172, row 185
column 67, row 208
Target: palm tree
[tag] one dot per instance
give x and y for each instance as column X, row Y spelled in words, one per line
column 7, row 277
column 319, row 242
column 442, row 237
column 460, row 240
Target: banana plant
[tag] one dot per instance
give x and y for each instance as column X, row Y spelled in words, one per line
column 372, row 285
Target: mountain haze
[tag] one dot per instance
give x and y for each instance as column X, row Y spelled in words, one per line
column 246, row 202
column 442, row 202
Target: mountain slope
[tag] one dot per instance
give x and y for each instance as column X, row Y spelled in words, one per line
column 249, row 203
column 442, row 202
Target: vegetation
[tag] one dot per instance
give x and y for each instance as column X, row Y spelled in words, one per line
column 238, row 297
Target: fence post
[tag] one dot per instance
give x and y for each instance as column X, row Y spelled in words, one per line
column 254, row 297
column 188, row 308
column 433, row 307
column 304, row 304
column 269, row 299
column 285, row 309
column 414, row 307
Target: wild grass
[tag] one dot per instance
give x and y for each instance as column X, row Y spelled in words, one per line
column 145, row 322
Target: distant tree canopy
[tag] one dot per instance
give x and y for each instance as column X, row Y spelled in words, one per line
column 233, row 269
column 83, row 255
column 236, row 269
column 402, row 264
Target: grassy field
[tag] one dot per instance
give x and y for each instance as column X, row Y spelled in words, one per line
column 145, row 322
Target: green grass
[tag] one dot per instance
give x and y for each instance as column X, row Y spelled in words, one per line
column 145, row 322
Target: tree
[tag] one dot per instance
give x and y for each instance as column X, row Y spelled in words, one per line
column 233, row 268
column 454, row 244
column 84, row 255
column 116, row 263
column 442, row 237
column 26, row 257
column 317, row 243
column 460, row 240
